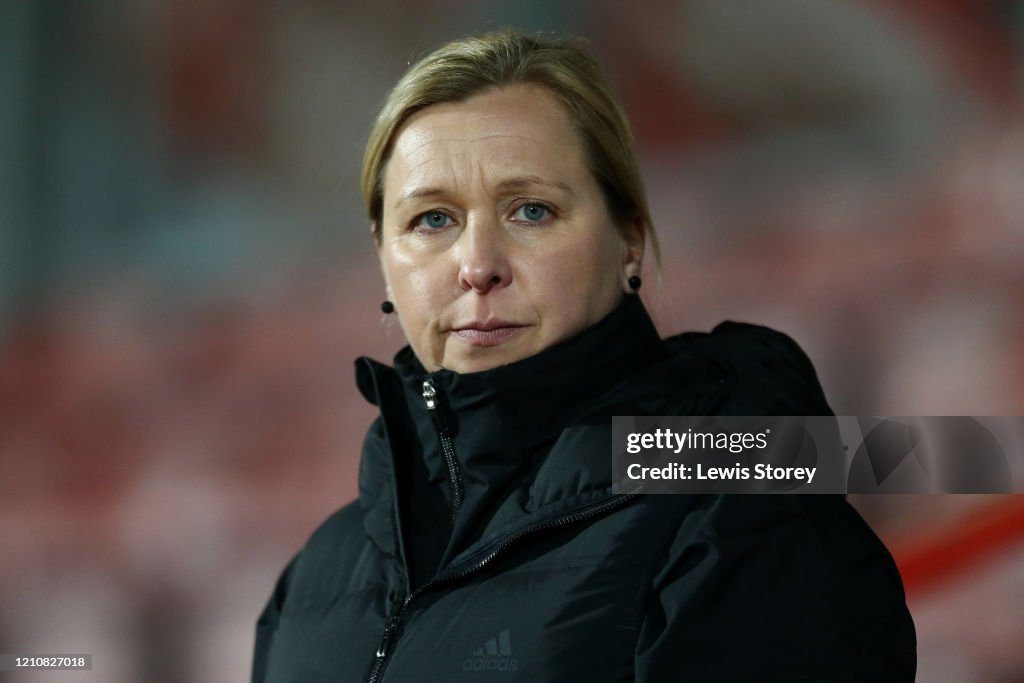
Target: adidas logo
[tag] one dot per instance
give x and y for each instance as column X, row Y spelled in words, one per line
column 495, row 655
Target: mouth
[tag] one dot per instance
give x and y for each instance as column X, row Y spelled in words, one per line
column 488, row 333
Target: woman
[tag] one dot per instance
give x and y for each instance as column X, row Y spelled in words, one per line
column 511, row 221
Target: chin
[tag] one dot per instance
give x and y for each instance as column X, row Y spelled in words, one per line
column 465, row 357
column 478, row 364
column 488, row 358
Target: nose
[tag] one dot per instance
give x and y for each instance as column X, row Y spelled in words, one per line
column 482, row 254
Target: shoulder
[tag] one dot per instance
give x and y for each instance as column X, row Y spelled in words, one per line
column 343, row 528
column 340, row 537
column 765, row 371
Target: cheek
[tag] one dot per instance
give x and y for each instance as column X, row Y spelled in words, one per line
column 579, row 281
column 410, row 283
column 599, row 262
column 415, row 288
column 408, row 272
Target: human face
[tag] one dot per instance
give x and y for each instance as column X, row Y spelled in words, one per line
column 496, row 242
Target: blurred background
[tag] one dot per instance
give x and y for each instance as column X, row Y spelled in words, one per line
column 186, row 276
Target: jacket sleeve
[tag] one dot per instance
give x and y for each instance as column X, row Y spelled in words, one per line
column 776, row 588
column 266, row 625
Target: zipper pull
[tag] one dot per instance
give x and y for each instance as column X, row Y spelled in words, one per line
column 429, row 394
column 389, row 630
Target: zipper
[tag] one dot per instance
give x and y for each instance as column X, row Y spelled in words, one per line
column 382, row 650
column 433, row 401
column 501, row 546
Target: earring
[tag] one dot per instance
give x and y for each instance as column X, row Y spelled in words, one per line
column 634, row 282
column 387, row 307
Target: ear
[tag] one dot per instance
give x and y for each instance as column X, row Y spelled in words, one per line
column 634, row 234
column 376, row 236
column 380, row 261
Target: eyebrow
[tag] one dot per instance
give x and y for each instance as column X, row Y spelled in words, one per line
column 528, row 180
column 506, row 185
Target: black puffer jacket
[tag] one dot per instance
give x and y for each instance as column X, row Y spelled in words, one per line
column 486, row 545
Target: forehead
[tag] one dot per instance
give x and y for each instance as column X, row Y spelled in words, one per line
column 516, row 129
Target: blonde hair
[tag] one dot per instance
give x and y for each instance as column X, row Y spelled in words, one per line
column 466, row 67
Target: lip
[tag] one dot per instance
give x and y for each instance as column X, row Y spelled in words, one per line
column 488, row 332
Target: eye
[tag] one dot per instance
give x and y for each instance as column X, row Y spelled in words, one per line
column 432, row 220
column 532, row 213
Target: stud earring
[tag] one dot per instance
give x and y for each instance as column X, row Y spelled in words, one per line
column 634, row 282
column 387, row 307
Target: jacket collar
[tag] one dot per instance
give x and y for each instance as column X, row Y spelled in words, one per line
column 535, row 398
column 510, row 425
